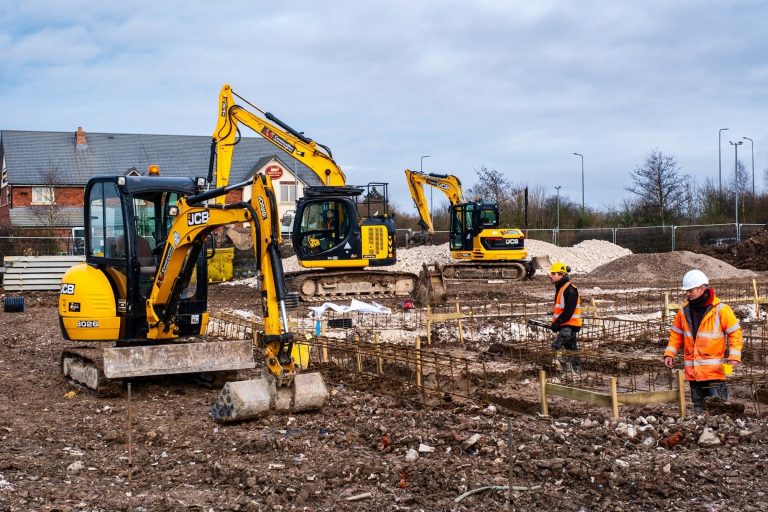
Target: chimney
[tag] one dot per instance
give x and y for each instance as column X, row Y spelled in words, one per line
column 81, row 142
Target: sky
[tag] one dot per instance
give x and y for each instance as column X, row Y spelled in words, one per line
column 510, row 85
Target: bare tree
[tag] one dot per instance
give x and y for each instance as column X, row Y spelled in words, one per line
column 660, row 188
column 50, row 214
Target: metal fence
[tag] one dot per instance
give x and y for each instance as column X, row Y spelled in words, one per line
column 654, row 238
column 638, row 239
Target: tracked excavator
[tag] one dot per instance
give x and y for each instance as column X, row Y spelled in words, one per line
column 340, row 232
column 140, row 298
column 483, row 250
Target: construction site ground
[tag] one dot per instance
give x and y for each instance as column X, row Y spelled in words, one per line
column 376, row 446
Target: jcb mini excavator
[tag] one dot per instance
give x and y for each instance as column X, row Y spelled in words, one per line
column 483, row 249
column 140, row 298
column 338, row 236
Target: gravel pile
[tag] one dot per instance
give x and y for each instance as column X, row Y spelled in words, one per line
column 671, row 265
column 582, row 258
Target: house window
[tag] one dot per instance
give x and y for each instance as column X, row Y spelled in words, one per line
column 287, row 191
column 43, row 195
column 4, row 175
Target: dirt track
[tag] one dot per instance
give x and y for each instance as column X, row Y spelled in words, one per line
column 63, row 453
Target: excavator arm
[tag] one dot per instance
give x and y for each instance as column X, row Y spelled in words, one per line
column 448, row 185
column 315, row 156
column 194, row 220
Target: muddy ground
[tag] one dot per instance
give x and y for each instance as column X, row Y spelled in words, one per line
column 64, row 451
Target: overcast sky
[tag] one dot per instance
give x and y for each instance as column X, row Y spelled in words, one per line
column 515, row 86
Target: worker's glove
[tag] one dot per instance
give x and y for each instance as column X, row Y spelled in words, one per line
column 554, row 327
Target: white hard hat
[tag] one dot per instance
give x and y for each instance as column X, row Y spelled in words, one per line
column 693, row 279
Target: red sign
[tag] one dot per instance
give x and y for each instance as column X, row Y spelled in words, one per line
column 273, row 171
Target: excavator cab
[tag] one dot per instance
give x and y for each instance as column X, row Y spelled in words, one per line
column 469, row 220
column 333, row 229
column 126, row 223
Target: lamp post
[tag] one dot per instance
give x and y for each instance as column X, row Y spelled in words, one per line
column 421, row 170
column 557, row 228
column 582, row 181
column 736, row 178
column 720, row 164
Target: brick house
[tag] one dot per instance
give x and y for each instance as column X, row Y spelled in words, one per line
column 44, row 173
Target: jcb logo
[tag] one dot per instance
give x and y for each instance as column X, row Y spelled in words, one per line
column 194, row 219
column 262, row 208
column 511, row 241
column 443, row 186
column 67, row 289
column 88, row 324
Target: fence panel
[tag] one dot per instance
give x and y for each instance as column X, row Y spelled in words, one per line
column 645, row 239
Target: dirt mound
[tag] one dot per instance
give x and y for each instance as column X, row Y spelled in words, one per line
column 750, row 254
column 669, row 265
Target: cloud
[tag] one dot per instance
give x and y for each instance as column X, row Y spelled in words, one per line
column 516, row 86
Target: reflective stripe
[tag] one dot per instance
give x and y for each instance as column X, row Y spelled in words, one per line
column 688, row 334
column 733, row 329
column 711, row 335
column 734, row 352
column 670, row 348
column 675, row 329
column 704, row 362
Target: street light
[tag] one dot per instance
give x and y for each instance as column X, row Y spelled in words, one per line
column 421, row 170
column 557, row 229
column 736, row 178
column 582, row 181
column 720, row 164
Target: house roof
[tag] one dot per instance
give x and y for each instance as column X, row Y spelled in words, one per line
column 30, row 154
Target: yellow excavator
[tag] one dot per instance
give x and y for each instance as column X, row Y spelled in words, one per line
column 140, row 298
column 483, row 249
column 339, row 231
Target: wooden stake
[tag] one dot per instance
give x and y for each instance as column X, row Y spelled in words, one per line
column 130, row 442
column 681, row 392
column 543, row 391
column 359, row 355
column 379, row 362
column 511, row 451
column 429, row 326
column 418, row 362
column 323, row 327
column 461, row 334
column 614, row 397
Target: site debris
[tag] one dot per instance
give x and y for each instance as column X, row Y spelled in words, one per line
column 445, row 417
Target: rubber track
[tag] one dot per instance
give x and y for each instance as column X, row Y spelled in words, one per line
column 294, row 281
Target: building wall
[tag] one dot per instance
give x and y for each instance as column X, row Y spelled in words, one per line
column 64, row 196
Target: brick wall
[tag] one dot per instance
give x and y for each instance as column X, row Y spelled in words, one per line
column 64, row 196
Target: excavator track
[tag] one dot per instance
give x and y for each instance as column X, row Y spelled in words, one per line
column 324, row 285
column 84, row 367
column 508, row 270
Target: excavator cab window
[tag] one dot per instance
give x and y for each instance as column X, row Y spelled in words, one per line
column 489, row 217
column 107, row 229
column 324, row 225
column 465, row 225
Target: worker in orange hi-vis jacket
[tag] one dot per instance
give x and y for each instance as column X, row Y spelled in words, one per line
column 710, row 336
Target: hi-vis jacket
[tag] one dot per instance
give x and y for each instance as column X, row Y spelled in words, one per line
column 705, row 355
column 559, row 307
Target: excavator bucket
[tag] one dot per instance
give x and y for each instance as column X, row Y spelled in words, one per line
column 542, row 261
column 430, row 288
column 249, row 399
column 174, row 358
